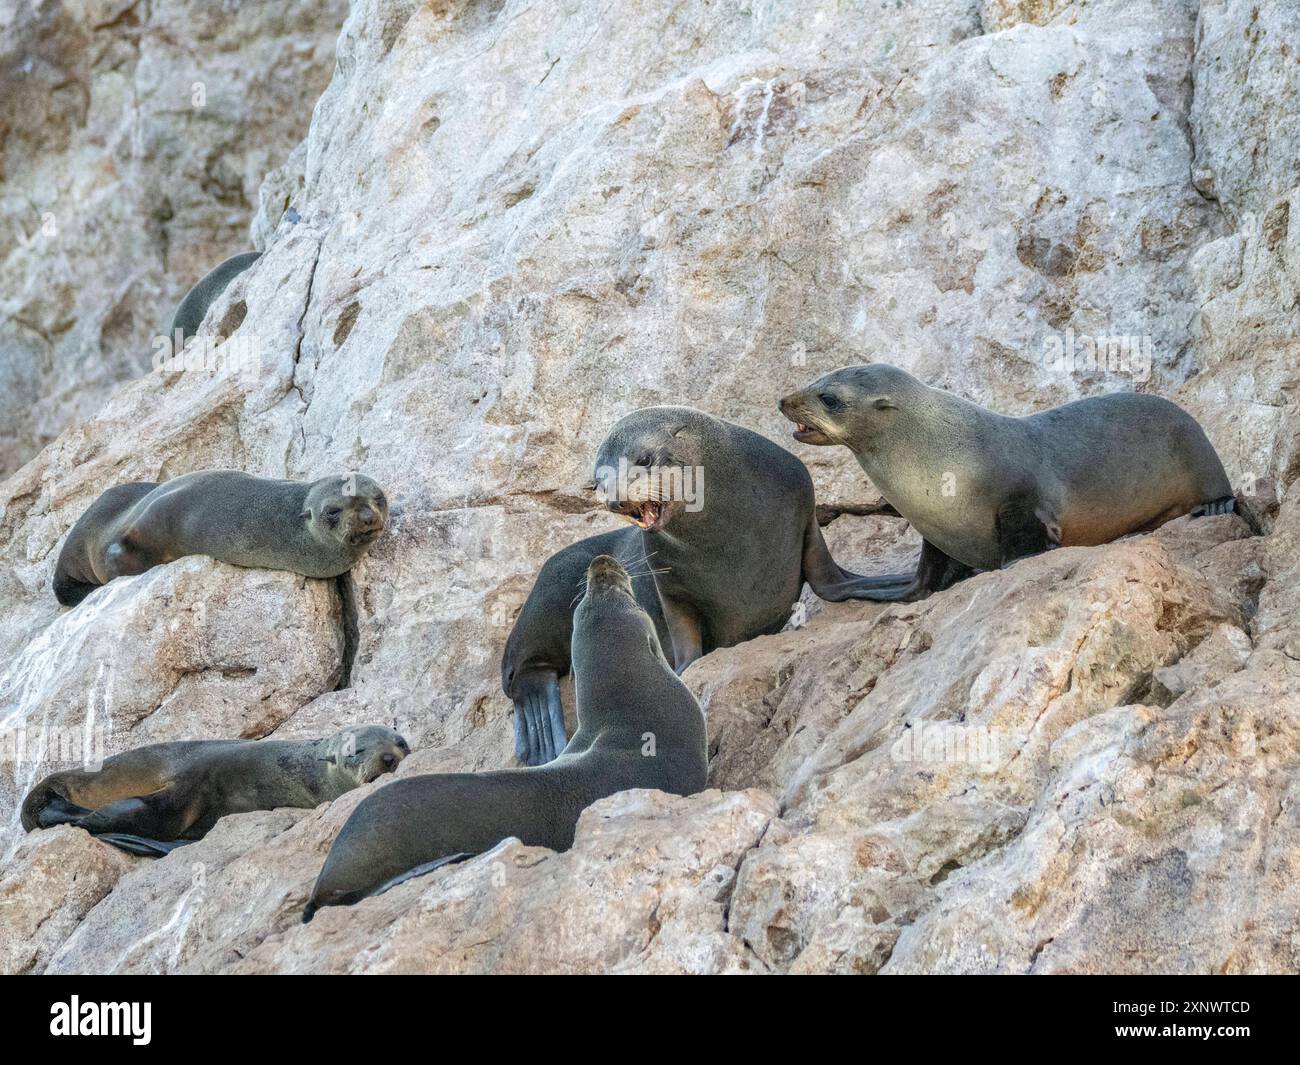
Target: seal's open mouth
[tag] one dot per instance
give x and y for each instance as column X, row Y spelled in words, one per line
column 649, row 515
column 809, row 434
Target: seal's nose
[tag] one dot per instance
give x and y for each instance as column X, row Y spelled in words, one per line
column 367, row 516
column 603, row 566
column 389, row 760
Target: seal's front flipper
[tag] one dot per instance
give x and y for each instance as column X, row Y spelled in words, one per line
column 1021, row 530
column 539, row 718
column 684, row 632
column 835, row 584
column 934, row 572
column 149, row 848
column 420, row 870
column 351, row 898
column 50, row 809
column 555, row 715
column 149, row 817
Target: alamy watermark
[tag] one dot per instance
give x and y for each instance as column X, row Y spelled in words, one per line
column 629, row 483
column 942, row 741
column 1083, row 353
column 73, row 746
column 239, row 355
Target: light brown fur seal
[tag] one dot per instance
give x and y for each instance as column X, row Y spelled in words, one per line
column 149, row 800
column 316, row 528
column 983, row 489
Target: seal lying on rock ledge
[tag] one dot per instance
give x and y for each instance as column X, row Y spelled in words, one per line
column 983, row 489
column 728, row 563
column 152, row 799
column 639, row 726
column 316, row 528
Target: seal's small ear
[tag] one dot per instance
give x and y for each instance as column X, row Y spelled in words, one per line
column 884, row 403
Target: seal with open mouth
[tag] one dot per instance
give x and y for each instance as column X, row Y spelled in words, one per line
column 984, row 490
column 316, row 528
column 639, row 726
column 152, row 799
column 729, row 564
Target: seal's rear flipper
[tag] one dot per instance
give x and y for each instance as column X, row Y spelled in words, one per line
column 934, row 572
column 149, row 848
column 1021, row 530
column 539, row 719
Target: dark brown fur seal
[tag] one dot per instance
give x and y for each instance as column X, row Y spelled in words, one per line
column 192, row 309
column 984, row 490
column 152, row 799
column 733, row 568
column 316, row 528
column 538, row 649
column 639, row 726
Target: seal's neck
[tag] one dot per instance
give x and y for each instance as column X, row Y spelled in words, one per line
column 328, row 777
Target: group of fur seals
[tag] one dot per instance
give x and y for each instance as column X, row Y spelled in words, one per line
column 983, row 489
column 152, row 799
column 316, row 528
column 639, row 726
column 194, row 307
column 713, row 576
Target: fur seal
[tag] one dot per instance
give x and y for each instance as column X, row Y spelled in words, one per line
column 155, row 798
column 730, row 565
column 983, row 489
column 192, row 309
column 639, row 726
column 316, row 528
column 538, row 649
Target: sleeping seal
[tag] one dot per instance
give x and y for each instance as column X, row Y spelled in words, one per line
column 153, row 799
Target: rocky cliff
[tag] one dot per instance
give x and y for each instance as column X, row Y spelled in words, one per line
column 511, row 223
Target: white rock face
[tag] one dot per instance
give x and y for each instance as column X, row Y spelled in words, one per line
column 134, row 141
column 515, row 223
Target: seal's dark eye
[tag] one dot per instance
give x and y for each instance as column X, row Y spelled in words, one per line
column 333, row 512
column 646, row 460
column 829, row 401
